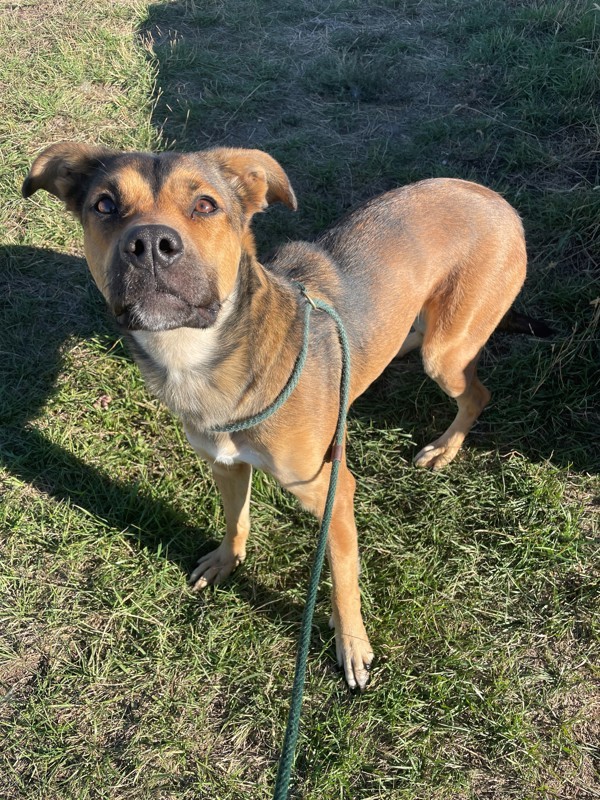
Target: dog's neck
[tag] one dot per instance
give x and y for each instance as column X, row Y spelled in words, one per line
column 216, row 375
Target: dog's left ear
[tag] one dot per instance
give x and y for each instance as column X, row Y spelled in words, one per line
column 64, row 170
column 256, row 177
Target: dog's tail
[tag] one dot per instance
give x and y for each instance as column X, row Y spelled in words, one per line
column 513, row 322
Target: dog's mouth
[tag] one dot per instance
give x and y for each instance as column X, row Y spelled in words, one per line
column 165, row 311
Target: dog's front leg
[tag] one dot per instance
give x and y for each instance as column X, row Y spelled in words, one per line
column 354, row 653
column 353, row 649
column 234, row 483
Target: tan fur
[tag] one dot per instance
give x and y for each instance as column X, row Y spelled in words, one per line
column 434, row 265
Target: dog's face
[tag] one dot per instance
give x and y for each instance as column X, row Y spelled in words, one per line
column 163, row 234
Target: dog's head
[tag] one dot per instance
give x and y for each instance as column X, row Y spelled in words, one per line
column 163, row 234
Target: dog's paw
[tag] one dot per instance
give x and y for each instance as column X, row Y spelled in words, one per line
column 435, row 456
column 214, row 567
column 354, row 656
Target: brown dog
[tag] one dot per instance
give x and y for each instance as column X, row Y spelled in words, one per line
column 216, row 333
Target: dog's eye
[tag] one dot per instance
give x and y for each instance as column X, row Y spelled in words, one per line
column 106, row 205
column 204, row 205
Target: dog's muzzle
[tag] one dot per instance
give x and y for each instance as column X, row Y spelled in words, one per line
column 157, row 285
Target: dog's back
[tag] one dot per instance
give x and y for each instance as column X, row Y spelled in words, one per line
column 447, row 251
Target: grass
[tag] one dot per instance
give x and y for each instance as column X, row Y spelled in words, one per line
column 480, row 584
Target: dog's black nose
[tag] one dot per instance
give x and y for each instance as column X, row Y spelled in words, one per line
column 151, row 246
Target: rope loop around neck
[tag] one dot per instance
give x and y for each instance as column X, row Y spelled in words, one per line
column 292, row 382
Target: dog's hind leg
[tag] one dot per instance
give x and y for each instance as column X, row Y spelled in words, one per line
column 414, row 338
column 459, row 319
column 461, row 383
column 412, row 342
column 450, row 352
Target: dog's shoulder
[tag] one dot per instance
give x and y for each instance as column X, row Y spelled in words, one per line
column 309, row 264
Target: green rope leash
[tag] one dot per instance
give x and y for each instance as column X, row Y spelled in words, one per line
column 293, row 724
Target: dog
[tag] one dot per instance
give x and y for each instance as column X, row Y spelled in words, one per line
column 434, row 265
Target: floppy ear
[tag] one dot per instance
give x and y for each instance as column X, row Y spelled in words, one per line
column 256, row 177
column 64, row 170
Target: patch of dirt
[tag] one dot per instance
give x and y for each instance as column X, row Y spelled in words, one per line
column 20, row 673
column 14, row 673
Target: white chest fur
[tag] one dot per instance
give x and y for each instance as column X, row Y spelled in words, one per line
column 183, row 349
column 221, row 448
column 179, row 350
column 181, row 360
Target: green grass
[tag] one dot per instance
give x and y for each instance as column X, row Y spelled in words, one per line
column 480, row 584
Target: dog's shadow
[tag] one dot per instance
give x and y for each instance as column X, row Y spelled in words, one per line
column 48, row 302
